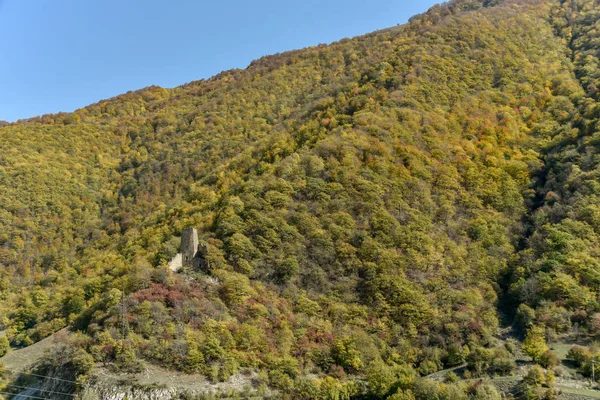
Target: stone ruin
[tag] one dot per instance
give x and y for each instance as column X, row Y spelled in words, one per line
column 192, row 253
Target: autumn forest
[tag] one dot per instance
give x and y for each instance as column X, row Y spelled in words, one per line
column 375, row 211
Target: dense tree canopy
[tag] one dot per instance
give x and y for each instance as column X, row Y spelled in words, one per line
column 365, row 205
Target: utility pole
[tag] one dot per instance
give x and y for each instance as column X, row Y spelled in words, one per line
column 124, row 323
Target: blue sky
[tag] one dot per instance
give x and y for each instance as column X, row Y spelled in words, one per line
column 60, row 55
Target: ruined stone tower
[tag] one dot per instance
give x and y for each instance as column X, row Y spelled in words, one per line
column 192, row 254
column 189, row 247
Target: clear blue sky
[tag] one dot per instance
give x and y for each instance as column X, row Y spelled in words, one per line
column 60, row 55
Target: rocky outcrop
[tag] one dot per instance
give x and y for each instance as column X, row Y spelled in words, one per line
column 51, row 386
column 158, row 384
column 101, row 392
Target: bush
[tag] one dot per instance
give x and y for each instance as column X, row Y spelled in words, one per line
column 380, row 378
column 306, row 388
column 280, row 379
column 525, row 317
column 579, row 355
column 427, row 389
column 486, row 392
column 451, row 377
column 229, row 368
column 428, row 367
column 454, row 392
column 479, row 360
column 535, row 343
column 4, row 346
column 510, row 346
column 345, row 353
column 548, row 360
column 535, row 376
column 502, row 366
column 456, row 355
column 595, row 324
column 586, row 369
column 332, row 388
column 402, row 395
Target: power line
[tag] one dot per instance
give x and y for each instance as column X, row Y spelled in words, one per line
column 41, row 390
column 41, row 376
column 38, row 390
column 24, row 395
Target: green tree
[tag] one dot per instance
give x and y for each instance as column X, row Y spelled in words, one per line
column 535, row 343
column 4, row 345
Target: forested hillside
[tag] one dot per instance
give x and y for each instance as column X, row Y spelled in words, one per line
column 374, row 210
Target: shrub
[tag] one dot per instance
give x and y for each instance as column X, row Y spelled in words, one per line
column 510, row 346
column 486, row 392
column 380, row 378
column 427, row 389
column 548, row 360
column 454, row 392
column 535, row 343
column 428, row 367
column 4, row 346
column 344, row 353
column 228, row 369
column 525, row 317
column 332, row 388
column 595, row 324
column 479, row 360
column 402, row 395
column 579, row 355
column 306, row 388
column 535, row 376
column 502, row 366
column 451, row 377
column 456, row 355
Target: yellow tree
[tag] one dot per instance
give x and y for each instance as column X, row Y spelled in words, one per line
column 535, row 343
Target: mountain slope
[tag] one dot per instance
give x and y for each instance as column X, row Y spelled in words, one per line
column 364, row 205
column 558, row 272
